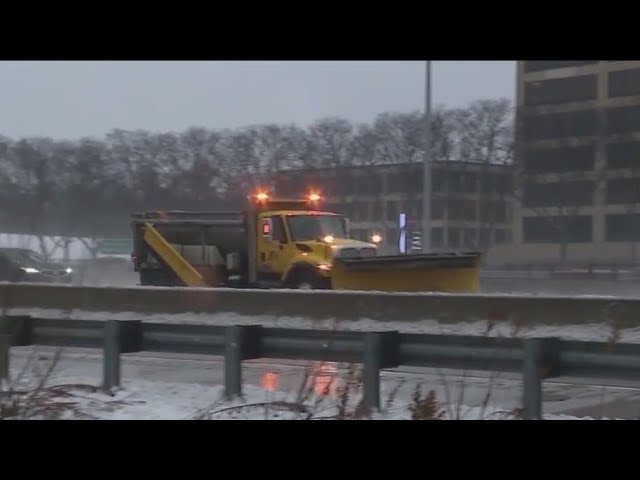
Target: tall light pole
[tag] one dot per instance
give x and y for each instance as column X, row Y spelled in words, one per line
column 426, row 173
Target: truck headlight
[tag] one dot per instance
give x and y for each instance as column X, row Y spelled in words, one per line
column 30, row 270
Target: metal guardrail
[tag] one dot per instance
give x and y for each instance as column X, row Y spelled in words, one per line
column 536, row 358
column 328, row 305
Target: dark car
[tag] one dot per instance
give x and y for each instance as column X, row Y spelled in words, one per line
column 25, row 265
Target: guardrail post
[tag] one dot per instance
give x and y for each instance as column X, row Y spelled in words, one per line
column 380, row 351
column 119, row 337
column 14, row 330
column 540, row 361
column 242, row 343
column 5, row 342
column 19, row 328
column 111, row 362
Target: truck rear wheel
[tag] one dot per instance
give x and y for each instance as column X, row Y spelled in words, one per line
column 158, row 278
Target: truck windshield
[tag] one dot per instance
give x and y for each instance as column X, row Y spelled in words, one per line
column 315, row 227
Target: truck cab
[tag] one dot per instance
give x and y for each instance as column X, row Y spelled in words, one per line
column 296, row 248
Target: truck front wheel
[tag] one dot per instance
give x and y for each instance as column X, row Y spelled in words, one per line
column 305, row 280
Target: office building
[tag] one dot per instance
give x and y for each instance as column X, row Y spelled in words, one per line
column 577, row 166
column 471, row 208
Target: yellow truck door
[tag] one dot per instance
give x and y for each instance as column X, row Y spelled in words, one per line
column 274, row 249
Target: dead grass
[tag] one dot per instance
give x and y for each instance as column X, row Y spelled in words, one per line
column 30, row 395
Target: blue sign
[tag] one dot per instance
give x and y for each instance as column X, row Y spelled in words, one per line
column 402, row 240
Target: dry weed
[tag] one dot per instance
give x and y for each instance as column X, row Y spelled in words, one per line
column 427, row 407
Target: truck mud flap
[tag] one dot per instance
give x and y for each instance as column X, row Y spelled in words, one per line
column 448, row 272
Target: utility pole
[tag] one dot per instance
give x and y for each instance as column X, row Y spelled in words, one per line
column 426, row 177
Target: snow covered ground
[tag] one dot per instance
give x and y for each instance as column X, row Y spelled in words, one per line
column 81, row 398
column 586, row 332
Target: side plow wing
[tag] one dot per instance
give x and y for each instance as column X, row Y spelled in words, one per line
column 437, row 272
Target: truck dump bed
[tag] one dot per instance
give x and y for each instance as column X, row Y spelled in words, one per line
column 227, row 230
column 194, row 248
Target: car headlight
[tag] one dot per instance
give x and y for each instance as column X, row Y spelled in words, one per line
column 30, row 270
column 69, row 270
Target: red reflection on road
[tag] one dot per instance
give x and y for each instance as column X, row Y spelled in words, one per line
column 269, row 381
column 322, row 379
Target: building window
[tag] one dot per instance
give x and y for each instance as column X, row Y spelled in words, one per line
column 484, row 237
column 462, row 182
column 346, row 209
column 559, row 160
column 287, row 187
column 392, row 236
column 438, row 181
column 623, row 155
column 369, row 184
column 461, row 209
column 437, row 209
column 502, row 236
column 581, row 123
column 622, row 228
column 469, row 238
column 623, row 191
column 538, row 65
column 407, row 183
column 392, row 211
column 623, row 119
column 558, row 229
column 376, row 208
column 494, row 211
column 437, row 240
column 624, row 83
column 394, row 183
column 414, row 209
column 454, row 237
column 561, row 90
column 360, row 211
column 499, row 183
column 559, row 194
column 412, row 181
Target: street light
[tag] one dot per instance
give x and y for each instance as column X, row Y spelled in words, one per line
column 426, row 177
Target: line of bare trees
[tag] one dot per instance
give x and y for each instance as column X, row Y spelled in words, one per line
column 88, row 187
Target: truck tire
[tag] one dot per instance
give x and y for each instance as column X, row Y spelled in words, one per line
column 158, row 278
column 304, row 279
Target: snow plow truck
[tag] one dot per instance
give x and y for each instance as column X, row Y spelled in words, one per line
column 281, row 243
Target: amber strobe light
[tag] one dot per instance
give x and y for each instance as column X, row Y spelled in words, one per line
column 314, row 197
column 262, row 196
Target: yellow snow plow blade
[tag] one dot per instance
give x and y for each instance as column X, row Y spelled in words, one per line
column 445, row 272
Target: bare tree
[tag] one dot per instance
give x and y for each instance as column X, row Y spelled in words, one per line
column 331, row 141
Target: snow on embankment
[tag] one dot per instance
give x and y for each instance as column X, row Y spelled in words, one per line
column 80, row 398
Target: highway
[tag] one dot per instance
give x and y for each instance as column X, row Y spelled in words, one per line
column 593, row 398
column 119, row 273
column 582, row 398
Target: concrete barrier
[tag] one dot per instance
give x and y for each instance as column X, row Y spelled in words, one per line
column 524, row 309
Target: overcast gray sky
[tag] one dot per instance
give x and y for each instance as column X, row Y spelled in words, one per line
column 76, row 99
